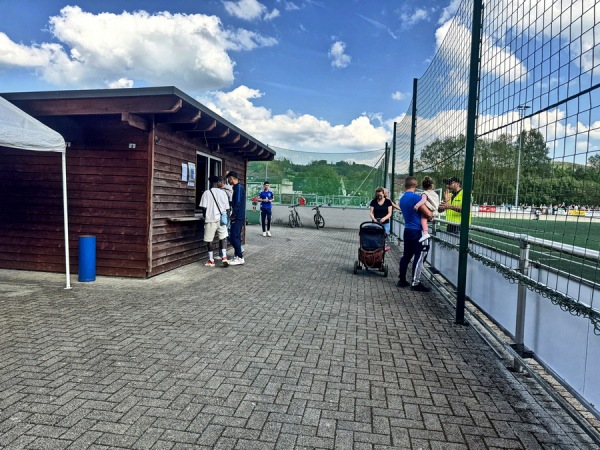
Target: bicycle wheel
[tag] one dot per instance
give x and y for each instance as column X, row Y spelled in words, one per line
column 292, row 220
column 319, row 221
column 298, row 221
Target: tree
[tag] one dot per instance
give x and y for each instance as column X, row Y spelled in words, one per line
column 442, row 156
column 594, row 161
column 534, row 154
column 318, row 178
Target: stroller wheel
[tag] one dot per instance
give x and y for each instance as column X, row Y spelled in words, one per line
column 356, row 267
column 385, row 270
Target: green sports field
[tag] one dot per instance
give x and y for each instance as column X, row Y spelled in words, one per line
column 571, row 231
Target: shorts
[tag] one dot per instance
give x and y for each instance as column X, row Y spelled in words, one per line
column 212, row 228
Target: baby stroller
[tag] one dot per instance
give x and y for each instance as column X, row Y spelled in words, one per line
column 371, row 253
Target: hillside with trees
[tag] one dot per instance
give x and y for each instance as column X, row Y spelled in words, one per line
column 542, row 180
column 319, row 177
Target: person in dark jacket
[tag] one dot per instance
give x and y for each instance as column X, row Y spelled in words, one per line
column 238, row 217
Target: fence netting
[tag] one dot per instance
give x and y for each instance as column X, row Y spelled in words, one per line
column 335, row 179
column 536, row 166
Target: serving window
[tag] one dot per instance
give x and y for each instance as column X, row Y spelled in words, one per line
column 206, row 166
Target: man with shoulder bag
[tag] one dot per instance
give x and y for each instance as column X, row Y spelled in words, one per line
column 214, row 202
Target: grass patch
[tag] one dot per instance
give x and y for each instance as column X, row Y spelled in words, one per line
column 584, row 233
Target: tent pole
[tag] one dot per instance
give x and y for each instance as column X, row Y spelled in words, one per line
column 66, row 219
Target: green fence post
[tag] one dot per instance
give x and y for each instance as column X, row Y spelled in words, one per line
column 469, row 153
column 393, row 176
column 413, row 128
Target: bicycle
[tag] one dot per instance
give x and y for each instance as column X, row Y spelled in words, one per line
column 294, row 219
column 319, row 220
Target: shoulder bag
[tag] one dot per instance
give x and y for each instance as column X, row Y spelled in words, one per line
column 224, row 219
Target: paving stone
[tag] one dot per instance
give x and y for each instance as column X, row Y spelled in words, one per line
column 306, row 355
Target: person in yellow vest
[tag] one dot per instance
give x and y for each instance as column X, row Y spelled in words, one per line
column 452, row 204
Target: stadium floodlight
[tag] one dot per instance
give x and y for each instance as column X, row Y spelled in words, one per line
column 521, row 109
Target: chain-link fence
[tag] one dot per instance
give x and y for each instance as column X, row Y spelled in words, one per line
column 506, row 120
column 534, row 166
column 334, row 179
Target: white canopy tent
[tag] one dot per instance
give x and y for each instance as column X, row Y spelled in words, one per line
column 19, row 130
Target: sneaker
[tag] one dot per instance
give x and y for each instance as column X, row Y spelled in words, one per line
column 420, row 288
column 424, row 237
column 264, row 234
column 236, row 261
column 209, row 263
column 403, row 283
column 269, row 233
column 225, row 262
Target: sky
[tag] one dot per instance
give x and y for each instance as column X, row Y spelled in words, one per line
column 307, row 75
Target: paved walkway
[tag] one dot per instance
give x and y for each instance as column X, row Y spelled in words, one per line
column 290, row 351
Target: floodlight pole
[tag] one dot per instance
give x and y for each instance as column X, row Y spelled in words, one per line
column 522, row 109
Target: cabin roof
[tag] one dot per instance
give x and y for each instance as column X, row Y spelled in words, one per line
column 140, row 106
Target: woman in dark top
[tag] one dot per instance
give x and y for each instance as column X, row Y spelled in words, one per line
column 381, row 209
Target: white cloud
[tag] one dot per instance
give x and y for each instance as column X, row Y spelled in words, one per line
column 187, row 51
column 296, row 131
column 560, row 20
column 399, row 95
column 414, row 17
column 272, row 15
column 249, row 10
column 449, row 11
column 289, row 6
column 339, row 58
column 494, row 59
column 441, row 32
column 18, row 55
column 245, row 9
column 121, row 83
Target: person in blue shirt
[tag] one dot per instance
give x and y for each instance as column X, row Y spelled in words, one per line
column 413, row 249
column 265, row 198
column 238, row 217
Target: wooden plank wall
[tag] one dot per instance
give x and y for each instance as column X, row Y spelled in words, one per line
column 173, row 243
column 108, row 198
column 31, row 216
column 178, row 243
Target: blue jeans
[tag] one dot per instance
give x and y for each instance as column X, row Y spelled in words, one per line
column 265, row 219
column 235, row 237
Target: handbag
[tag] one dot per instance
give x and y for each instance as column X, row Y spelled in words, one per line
column 224, row 220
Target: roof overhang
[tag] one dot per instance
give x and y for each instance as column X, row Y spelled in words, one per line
column 142, row 107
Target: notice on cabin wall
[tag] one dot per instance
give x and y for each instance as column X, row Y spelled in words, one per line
column 191, row 174
column 184, row 172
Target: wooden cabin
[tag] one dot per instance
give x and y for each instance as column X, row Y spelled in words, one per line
column 138, row 161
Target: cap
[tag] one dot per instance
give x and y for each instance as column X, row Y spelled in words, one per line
column 451, row 180
column 213, row 178
column 232, row 174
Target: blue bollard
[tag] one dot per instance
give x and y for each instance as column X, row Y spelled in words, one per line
column 87, row 258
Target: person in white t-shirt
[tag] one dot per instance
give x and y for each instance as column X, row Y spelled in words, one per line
column 214, row 201
column 430, row 199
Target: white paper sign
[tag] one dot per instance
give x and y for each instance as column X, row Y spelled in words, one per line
column 184, row 172
column 191, row 174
